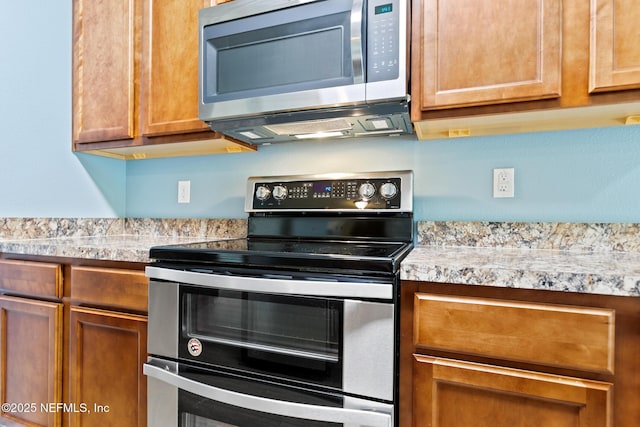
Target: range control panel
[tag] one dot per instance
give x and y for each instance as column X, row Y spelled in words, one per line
column 388, row 191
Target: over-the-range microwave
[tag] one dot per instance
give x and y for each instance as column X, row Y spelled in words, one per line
column 282, row 70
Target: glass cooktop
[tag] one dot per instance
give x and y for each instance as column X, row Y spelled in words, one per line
column 293, row 254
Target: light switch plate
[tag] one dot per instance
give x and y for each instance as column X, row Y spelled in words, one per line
column 184, row 191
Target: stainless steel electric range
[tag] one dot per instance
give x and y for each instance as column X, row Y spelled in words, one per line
column 295, row 325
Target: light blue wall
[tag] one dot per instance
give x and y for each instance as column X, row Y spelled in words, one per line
column 583, row 175
column 39, row 175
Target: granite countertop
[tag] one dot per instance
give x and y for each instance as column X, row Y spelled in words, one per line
column 588, row 258
column 108, row 239
column 575, row 257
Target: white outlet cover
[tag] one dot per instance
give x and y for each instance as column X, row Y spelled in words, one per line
column 504, row 183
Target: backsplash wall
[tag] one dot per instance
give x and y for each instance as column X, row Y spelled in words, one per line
column 590, row 175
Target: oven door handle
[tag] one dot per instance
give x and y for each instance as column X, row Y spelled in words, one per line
column 271, row 406
column 275, row 285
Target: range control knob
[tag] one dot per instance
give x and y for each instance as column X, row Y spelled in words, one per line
column 262, row 193
column 388, row 190
column 367, row 190
column 279, row 192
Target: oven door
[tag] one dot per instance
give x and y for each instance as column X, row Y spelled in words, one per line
column 188, row 396
column 276, row 328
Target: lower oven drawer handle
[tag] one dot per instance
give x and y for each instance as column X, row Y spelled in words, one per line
column 277, row 407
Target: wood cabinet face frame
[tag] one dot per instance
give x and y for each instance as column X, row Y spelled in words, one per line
column 625, row 377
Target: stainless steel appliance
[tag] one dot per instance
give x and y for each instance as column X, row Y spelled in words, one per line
column 297, row 324
column 297, row 69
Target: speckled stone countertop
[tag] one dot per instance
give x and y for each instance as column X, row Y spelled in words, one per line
column 113, row 239
column 574, row 257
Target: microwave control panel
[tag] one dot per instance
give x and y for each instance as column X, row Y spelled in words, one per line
column 383, row 37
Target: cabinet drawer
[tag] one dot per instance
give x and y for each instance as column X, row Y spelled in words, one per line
column 109, row 287
column 31, row 278
column 453, row 393
column 554, row 335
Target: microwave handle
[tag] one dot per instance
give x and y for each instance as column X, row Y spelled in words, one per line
column 271, row 406
column 357, row 41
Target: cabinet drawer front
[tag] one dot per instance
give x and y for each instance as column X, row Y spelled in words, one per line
column 109, row 287
column 31, row 278
column 451, row 393
column 554, row 335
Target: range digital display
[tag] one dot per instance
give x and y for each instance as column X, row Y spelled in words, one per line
column 321, row 187
column 384, row 8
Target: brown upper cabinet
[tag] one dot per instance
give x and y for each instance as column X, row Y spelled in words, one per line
column 170, row 67
column 135, row 80
column 488, row 52
column 615, row 45
column 503, row 66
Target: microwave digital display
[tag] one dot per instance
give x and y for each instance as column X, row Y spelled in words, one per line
column 385, row 8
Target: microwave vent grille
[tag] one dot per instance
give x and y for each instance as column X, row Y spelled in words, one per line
column 312, row 126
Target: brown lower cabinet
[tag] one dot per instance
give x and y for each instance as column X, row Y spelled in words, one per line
column 107, row 350
column 31, row 356
column 474, row 356
column 72, row 350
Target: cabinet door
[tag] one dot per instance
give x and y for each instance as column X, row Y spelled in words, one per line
column 107, row 351
column 450, row 393
column 105, row 62
column 31, row 352
column 488, row 52
column 615, row 45
column 170, row 66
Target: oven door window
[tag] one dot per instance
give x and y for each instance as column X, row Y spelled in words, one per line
column 291, row 337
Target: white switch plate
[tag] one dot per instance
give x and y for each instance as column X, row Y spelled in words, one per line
column 184, row 191
column 503, row 182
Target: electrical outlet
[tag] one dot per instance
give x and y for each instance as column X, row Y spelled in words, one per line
column 503, row 182
column 184, row 191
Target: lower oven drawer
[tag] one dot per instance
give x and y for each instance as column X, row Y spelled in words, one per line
column 187, row 396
